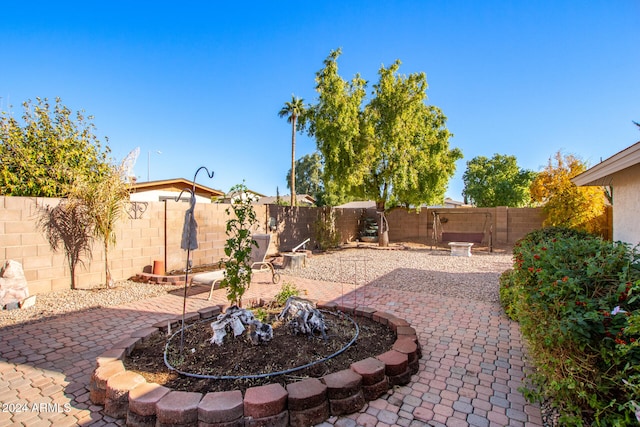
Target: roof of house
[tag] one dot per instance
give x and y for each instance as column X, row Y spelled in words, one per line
column 600, row 174
column 362, row 204
column 300, row 199
column 175, row 185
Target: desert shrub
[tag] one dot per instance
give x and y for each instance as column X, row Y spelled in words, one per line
column 576, row 299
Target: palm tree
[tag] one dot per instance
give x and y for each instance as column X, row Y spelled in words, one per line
column 292, row 110
column 105, row 201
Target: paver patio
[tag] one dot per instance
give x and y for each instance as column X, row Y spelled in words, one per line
column 470, row 372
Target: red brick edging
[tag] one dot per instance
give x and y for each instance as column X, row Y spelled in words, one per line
column 126, row 394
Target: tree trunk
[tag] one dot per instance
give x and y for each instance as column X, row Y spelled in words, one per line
column 108, row 277
column 72, row 272
column 293, row 161
column 383, row 230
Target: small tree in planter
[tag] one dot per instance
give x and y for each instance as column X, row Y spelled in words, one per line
column 239, row 244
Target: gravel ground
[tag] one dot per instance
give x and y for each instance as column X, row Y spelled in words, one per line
column 61, row 302
column 415, row 270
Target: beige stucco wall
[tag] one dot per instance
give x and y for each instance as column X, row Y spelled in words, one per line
column 626, row 205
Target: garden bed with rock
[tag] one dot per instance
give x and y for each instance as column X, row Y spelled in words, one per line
column 366, row 374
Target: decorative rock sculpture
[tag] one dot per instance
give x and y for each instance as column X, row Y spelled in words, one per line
column 303, row 317
column 13, row 284
column 238, row 320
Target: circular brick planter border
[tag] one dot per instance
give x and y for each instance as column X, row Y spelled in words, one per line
column 311, row 401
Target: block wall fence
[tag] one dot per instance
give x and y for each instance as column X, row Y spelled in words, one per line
column 152, row 232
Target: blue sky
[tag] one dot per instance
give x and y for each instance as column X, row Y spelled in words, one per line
column 202, row 82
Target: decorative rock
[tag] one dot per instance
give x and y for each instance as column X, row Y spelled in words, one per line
column 28, row 302
column 13, row 284
column 116, row 402
column 306, row 394
column 265, row 401
column 342, row 384
column 178, row 407
column 221, row 407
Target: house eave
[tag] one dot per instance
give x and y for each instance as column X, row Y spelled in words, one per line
column 601, row 174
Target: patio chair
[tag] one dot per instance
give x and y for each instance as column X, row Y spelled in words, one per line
column 258, row 264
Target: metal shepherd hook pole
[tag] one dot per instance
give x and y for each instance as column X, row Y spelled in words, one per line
column 189, row 241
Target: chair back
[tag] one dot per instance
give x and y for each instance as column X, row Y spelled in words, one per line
column 259, row 253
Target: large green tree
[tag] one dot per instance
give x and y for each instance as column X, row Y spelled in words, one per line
column 392, row 148
column 293, row 110
column 309, row 177
column 497, row 181
column 42, row 155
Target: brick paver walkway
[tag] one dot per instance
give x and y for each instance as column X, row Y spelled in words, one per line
column 469, row 375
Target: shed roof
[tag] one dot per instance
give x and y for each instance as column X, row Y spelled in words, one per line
column 176, row 185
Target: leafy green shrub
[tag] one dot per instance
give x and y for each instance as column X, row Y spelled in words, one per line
column 576, row 298
column 508, row 294
column 287, row 290
column 237, row 275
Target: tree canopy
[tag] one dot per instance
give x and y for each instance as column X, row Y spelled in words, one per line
column 497, row 181
column 392, row 148
column 565, row 203
column 309, row 176
column 44, row 155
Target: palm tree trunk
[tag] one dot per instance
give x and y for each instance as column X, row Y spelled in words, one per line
column 293, row 161
column 106, row 265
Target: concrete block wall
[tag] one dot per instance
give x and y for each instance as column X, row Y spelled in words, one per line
column 155, row 235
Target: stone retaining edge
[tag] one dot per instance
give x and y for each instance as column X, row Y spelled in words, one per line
column 401, row 328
